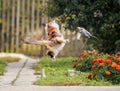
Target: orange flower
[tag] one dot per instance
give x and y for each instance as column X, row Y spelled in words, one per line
column 110, row 57
column 101, row 60
column 118, row 54
column 118, row 67
column 107, row 72
column 90, row 75
column 118, row 59
column 101, row 64
column 114, row 65
column 95, row 60
column 108, row 61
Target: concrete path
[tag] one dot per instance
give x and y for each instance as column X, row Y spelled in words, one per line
column 22, row 77
column 19, row 73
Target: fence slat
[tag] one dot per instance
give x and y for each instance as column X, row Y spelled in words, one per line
column 8, row 26
column 3, row 27
column 37, row 17
column 17, row 25
column 32, row 15
column 28, row 16
column 13, row 26
column 23, row 17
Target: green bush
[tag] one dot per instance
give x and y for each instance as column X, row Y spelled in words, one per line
column 100, row 66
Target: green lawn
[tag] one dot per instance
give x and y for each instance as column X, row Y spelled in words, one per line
column 3, row 64
column 56, row 73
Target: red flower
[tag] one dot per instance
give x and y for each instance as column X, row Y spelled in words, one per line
column 108, row 61
column 90, row 75
column 95, row 60
column 107, row 72
column 101, row 60
column 110, row 57
column 82, row 55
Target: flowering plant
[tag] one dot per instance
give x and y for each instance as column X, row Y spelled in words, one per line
column 100, row 66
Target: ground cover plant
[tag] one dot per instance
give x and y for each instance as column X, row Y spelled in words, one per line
column 57, row 73
column 3, row 63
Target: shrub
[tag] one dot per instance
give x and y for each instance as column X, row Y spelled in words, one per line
column 100, row 66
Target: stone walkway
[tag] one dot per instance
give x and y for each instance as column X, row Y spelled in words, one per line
column 20, row 77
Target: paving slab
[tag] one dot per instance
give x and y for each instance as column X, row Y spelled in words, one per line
column 12, row 71
column 60, row 88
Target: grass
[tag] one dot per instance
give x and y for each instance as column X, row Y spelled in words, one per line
column 2, row 67
column 3, row 63
column 56, row 74
column 9, row 59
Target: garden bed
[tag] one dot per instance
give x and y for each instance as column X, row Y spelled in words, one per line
column 57, row 74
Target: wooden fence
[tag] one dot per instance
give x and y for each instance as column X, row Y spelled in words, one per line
column 25, row 17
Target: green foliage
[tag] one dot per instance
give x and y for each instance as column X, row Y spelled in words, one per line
column 56, row 74
column 84, row 66
column 4, row 60
column 100, row 17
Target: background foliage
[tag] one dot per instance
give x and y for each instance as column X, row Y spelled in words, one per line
column 101, row 17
